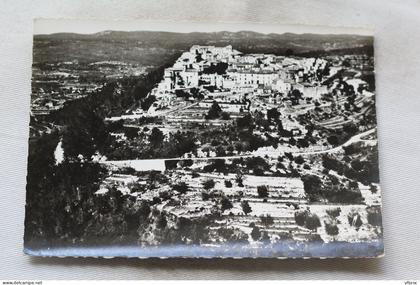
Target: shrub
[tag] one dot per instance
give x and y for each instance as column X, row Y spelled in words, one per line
column 144, row 209
column 255, row 233
column 355, row 220
column 205, row 196
column 308, row 220
column 214, row 111
column 334, row 213
column 161, row 221
column 209, row 184
column 374, row 216
column 228, row 184
column 245, row 207
column 258, row 171
column 267, row 220
column 187, row 162
column 225, row 233
column 333, row 140
column 156, row 200
column 265, row 238
column 353, row 185
column 245, row 122
column 262, row 191
column 312, row 184
column 289, row 155
column 356, row 164
column 164, row 195
column 225, row 116
column 225, row 204
column 181, row 187
column 300, row 218
column 373, row 189
column 312, row 222
column 331, row 229
column 302, row 143
column 299, row 159
column 331, row 163
column 239, row 179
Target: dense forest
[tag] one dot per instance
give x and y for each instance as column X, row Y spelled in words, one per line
column 60, row 199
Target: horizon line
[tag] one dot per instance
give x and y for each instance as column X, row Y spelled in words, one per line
column 200, row 32
column 90, row 27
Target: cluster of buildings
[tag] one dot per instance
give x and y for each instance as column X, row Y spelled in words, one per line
column 227, row 76
column 54, row 84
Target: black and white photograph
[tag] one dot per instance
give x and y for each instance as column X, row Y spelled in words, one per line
column 202, row 141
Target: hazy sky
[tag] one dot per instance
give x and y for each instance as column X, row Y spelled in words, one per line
column 47, row 26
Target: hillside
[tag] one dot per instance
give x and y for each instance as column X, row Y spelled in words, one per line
column 153, row 48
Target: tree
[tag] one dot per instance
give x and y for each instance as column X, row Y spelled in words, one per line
column 147, row 102
column 265, row 238
column 273, row 114
column 307, row 219
column 245, row 122
column 302, row 143
column 333, row 140
column 255, row 233
column 161, row 221
column 331, row 229
column 196, row 93
column 351, row 129
column 225, row 204
column 299, row 159
column 356, row 164
column 85, row 133
column 245, row 207
column 258, row 171
column 300, row 218
column 312, row 184
column 262, row 191
column 334, row 213
column 228, row 184
column 373, row 189
column 180, row 143
column 205, row 195
column 312, row 222
column 225, row 116
column 209, row 184
column 374, row 216
column 144, row 209
column 181, row 187
column 267, row 220
column 355, row 220
column 214, row 111
column 331, row 163
column 239, row 179
column 156, row 137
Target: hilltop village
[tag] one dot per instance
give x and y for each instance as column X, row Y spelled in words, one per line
column 252, row 148
column 225, row 76
column 296, row 102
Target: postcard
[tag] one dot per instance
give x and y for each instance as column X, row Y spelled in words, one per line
column 184, row 140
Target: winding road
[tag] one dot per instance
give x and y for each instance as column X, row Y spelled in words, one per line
column 159, row 163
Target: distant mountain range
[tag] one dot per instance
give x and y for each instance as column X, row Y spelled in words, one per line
column 245, row 41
